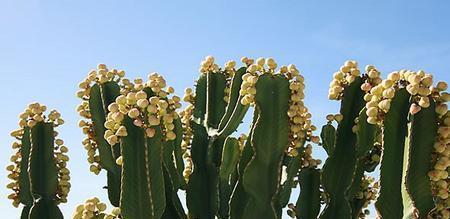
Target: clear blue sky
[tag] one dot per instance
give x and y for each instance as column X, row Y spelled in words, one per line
column 47, row 47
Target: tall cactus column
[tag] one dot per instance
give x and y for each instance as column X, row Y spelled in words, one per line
column 214, row 108
column 339, row 168
column 218, row 106
column 403, row 104
column 139, row 124
column 41, row 178
column 98, row 91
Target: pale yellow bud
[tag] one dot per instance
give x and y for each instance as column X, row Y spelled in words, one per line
column 424, row 102
column 394, row 76
column 133, row 113
column 122, row 131
column 441, row 86
column 372, row 112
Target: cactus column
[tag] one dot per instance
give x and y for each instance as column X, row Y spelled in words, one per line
column 42, row 179
column 221, row 100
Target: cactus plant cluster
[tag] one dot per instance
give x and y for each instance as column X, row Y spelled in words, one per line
column 152, row 150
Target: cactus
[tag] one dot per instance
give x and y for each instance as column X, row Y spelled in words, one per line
column 221, row 99
column 39, row 173
column 137, row 132
column 151, row 149
column 399, row 106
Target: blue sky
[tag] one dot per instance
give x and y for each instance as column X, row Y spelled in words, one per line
column 47, row 47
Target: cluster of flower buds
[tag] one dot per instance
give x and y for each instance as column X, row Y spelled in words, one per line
column 301, row 128
column 229, row 71
column 97, row 76
column 146, row 112
column 248, row 86
column 100, row 75
column 63, row 173
column 345, row 76
column 186, row 119
column 439, row 174
column 418, row 84
column 208, row 65
column 307, row 160
column 372, row 78
column 254, row 69
column 188, row 166
column 28, row 119
column 336, row 117
column 368, row 192
column 93, row 208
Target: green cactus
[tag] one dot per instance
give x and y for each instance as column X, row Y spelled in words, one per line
column 405, row 99
column 222, row 98
column 152, row 151
column 138, row 134
column 39, row 173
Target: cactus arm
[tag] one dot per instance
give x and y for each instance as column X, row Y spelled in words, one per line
column 213, row 160
column 292, row 168
column 155, row 172
column 197, row 199
column 234, row 96
column 177, row 152
column 389, row 202
column 338, row 170
column 100, row 97
column 328, row 135
column 200, row 99
column 174, row 209
column 365, row 141
column 308, row 202
column 239, row 197
column 418, row 196
column 262, row 175
column 215, row 103
column 98, row 107
column 135, row 199
column 235, row 110
column 168, row 151
column 43, row 173
column 355, row 187
column 24, row 179
column 110, row 91
column 365, row 135
column 230, row 158
column 142, row 177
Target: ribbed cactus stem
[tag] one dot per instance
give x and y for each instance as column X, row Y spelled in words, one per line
column 43, row 181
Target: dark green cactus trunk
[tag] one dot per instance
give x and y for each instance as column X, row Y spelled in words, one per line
column 43, row 173
column 339, row 168
column 101, row 96
column 389, row 203
column 262, row 174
